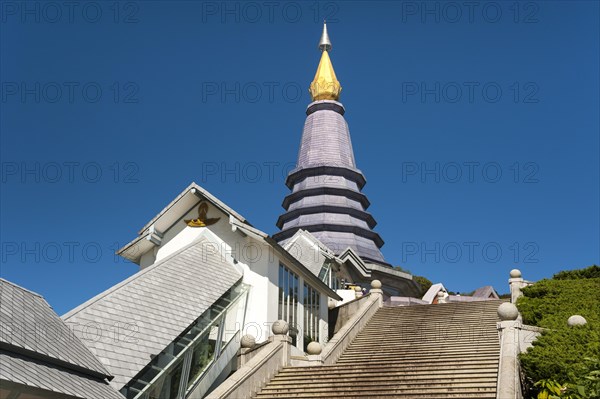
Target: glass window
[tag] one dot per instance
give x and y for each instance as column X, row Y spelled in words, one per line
column 311, row 314
column 202, row 356
column 288, row 299
column 179, row 368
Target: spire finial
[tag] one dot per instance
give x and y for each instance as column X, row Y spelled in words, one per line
column 325, row 43
column 325, row 85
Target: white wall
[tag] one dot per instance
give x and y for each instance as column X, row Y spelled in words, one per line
column 256, row 261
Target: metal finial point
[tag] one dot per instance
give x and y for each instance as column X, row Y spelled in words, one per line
column 325, row 43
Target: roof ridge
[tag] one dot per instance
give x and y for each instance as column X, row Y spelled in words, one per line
column 56, row 362
column 23, row 289
column 129, row 279
column 204, row 193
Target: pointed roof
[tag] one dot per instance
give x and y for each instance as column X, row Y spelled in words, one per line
column 154, row 306
column 309, row 251
column 39, row 353
column 433, row 291
column 150, row 235
column 326, row 198
column 325, row 85
column 486, row 291
column 325, row 43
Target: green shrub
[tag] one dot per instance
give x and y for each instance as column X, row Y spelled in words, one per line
column 590, row 272
column 563, row 354
column 424, row 282
column 549, row 303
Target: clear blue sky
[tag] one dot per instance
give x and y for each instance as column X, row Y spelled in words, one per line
column 477, row 128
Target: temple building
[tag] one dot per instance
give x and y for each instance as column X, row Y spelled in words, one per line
column 326, row 185
column 326, row 199
column 218, row 307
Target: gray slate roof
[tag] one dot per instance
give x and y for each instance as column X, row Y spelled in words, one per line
column 326, row 162
column 39, row 350
column 308, row 250
column 485, row 292
column 41, row 375
column 153, row 307
column 326, row 141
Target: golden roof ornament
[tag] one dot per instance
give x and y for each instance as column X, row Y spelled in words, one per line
column 325, row 85
column 202, row 220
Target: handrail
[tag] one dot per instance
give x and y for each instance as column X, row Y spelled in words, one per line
column 200, row 379
column 338, row 343
column 252, row 376
column 201, row 335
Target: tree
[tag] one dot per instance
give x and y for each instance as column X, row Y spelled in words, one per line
column 424, row 282
column 562, row 355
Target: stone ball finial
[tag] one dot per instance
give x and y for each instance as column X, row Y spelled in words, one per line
column 376, row 284
column 280, row 327
column 508, row 311
column 357, row 289
column 576, row 320
column 248, row 341
column 331, row 303
column 314, row 348
column 515, row 273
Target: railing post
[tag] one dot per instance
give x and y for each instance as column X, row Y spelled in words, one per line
column 280, row 329
column 515, row 282
column 247, row 343
column 377, row 291
column 357, row 292
column 509, row 383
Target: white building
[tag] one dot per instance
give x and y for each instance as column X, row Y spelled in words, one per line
column 207, row 277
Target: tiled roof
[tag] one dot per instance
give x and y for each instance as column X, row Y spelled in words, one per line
column 485, row 292
column 433, row 291
column 326, row 186
column 326, row 141
column 41, row 375
column 308, row 250
column 152, row 307
column 39, row 350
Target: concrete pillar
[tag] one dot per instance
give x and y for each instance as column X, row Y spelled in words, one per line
column 516, row 283
column 247, row 343
column 509, row 382
column 358, row 292
column 441, row 297
column 280, row 329
column 376, row 290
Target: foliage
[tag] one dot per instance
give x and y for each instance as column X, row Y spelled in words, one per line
column 549, row 303
column 590, row 379
column 563, row 357
column 424, row 282
column 558, row 354
column 401, row 269
column 550, row 389
column 590, row 272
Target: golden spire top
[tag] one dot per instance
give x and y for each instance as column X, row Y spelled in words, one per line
column 325, row 85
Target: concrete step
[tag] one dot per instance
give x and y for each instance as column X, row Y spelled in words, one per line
column 419, row 357
column 444, row 351
column 433, row 351
column 422, row 395
column 452, row 318
column 281, row 383
column 350, row 391
column 382, row 395
column 394, row 386
column 382, row 346
column 382, row 369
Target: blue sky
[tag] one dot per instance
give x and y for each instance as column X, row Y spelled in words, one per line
column 477, row 128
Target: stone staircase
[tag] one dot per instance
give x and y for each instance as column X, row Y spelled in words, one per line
column 426, row 351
